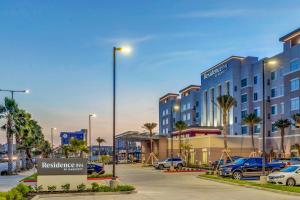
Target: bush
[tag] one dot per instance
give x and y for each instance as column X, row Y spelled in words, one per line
column 104, row 188
column 65, row 187
column 23, row 189
column 38, row 188
column 95, row 187
column 81, row 187
column 51, row 188
column 3, row 195
column 14, row 194
column 125, row 188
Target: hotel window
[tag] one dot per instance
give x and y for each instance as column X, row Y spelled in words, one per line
column 244, row 130
column 244, row 98
column 294, row 65
column 295, row 84
column 273, row 75
column 184, row 117
column 281, row 90
column 167, row 130
column 274, row 128
column 163, row 131
column 188, row 106
column 244, row 82
column 281, row 108
column 243, row 114
column 257, row 128
column 274, row 109
column 295, row 103
column 257, row 111
column 255, row 80
column 188, row 116
column 227, row 87
column 163, row 113
column 184, row 107
column 167, row 111
column 219, row 90
column 197, row 103
column 255, row 96
column 273, row 92
column 163, row 122
column 167, row 121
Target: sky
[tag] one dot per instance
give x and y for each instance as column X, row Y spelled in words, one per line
column 62, row 51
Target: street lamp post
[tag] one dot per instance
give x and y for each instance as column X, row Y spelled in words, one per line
column 125, row 50
column 90, row 135
column 14, row 91
column 52, row 140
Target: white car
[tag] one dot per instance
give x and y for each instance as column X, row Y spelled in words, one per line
column 289, row 176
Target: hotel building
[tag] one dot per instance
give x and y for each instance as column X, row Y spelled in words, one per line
column 242, row 78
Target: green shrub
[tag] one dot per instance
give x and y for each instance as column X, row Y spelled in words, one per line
column 51, row 188
column 14, row 194
column 81, row 187
column 104, row 188
column 38, row 188
column 95, row 187
column 125, row 188
column 65, row 187
column 23, row 189
column 3, row 195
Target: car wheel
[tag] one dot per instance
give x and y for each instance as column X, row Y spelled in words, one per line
column 179, row 166
column 290, row 182
column 161, row 167
column 237, row 175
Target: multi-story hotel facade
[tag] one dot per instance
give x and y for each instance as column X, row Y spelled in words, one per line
column 244, row 78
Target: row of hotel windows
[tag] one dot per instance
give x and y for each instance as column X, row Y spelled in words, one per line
column 294, row 65
column 183, row 108
column 295, row 105
column 185, row 117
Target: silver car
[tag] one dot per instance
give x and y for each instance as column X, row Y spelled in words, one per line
column 177, row 163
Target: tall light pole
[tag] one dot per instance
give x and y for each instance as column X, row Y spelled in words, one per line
column 14, row 91
column 90, row 135
column 176, row 108
column 265, row 62
column 52, row 140
column 125, row 50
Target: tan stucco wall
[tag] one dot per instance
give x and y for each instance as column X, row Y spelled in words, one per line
column 59, row 180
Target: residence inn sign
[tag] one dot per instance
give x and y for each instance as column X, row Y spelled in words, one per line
column 62, row 166
column 215, row 71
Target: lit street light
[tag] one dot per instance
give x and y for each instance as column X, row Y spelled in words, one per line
column 14, row 91
column 125, row 50
column 90, row 134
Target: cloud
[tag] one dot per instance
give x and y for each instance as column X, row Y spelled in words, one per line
column 215, row 13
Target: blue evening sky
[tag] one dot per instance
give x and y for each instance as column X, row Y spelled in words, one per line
column 62, row 51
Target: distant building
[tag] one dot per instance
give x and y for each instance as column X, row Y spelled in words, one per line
column 67, row 136
column 104, row 150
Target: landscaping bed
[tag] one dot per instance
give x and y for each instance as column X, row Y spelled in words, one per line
column 184, row 170
column 22, row 191
column 252, row 184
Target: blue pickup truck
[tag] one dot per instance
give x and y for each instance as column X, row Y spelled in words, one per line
column 248, row 167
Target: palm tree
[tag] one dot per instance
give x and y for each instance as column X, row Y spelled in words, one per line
column 251, row 119
column 150, row 127
column 66, row 150
column 187, row 151
column 99, row 141
column 46, row 149
column 225, row 102
column 78, row 146
column 282, row 124
column 7, row 112
column 296, row 118
column 180, row 126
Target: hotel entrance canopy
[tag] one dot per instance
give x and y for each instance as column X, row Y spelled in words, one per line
column 136, row 136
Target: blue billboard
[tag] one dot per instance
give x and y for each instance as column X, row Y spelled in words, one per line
column 67, row 136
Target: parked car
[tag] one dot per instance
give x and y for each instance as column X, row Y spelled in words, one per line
column 216, row 163
column 248, row 167
column 177, row 163
column 289, row 176
column 93, row 168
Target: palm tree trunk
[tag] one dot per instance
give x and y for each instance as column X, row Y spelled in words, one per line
column 225, row 127
column 30, row 163
column 282, row 142
column 17, row 154
column 99, row 149
column 179, row 143
column 23, row 157
column 10, row 152
column 252, row 137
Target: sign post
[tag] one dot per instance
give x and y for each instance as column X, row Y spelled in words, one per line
column 60, row 171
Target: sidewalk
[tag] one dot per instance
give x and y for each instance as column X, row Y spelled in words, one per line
column 8, row 182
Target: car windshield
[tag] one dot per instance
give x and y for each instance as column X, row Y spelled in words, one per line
column 240, row 161
column 290, row 169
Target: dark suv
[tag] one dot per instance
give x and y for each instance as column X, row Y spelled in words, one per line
column 248, row 167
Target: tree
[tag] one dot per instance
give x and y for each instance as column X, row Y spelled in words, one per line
column 99, row 141
column 150, row 127
column 46, row 149
column 282, row 124
column 186, row 146
column 296, row 118
column 251, row 119
column 66, row 150
column 180, row 126
column 78, row 147
column 7, row 111
column 225, row 102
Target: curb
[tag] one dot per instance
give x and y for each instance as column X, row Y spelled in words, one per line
column 253, row 187
column 64, row 195
column 184, row 171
